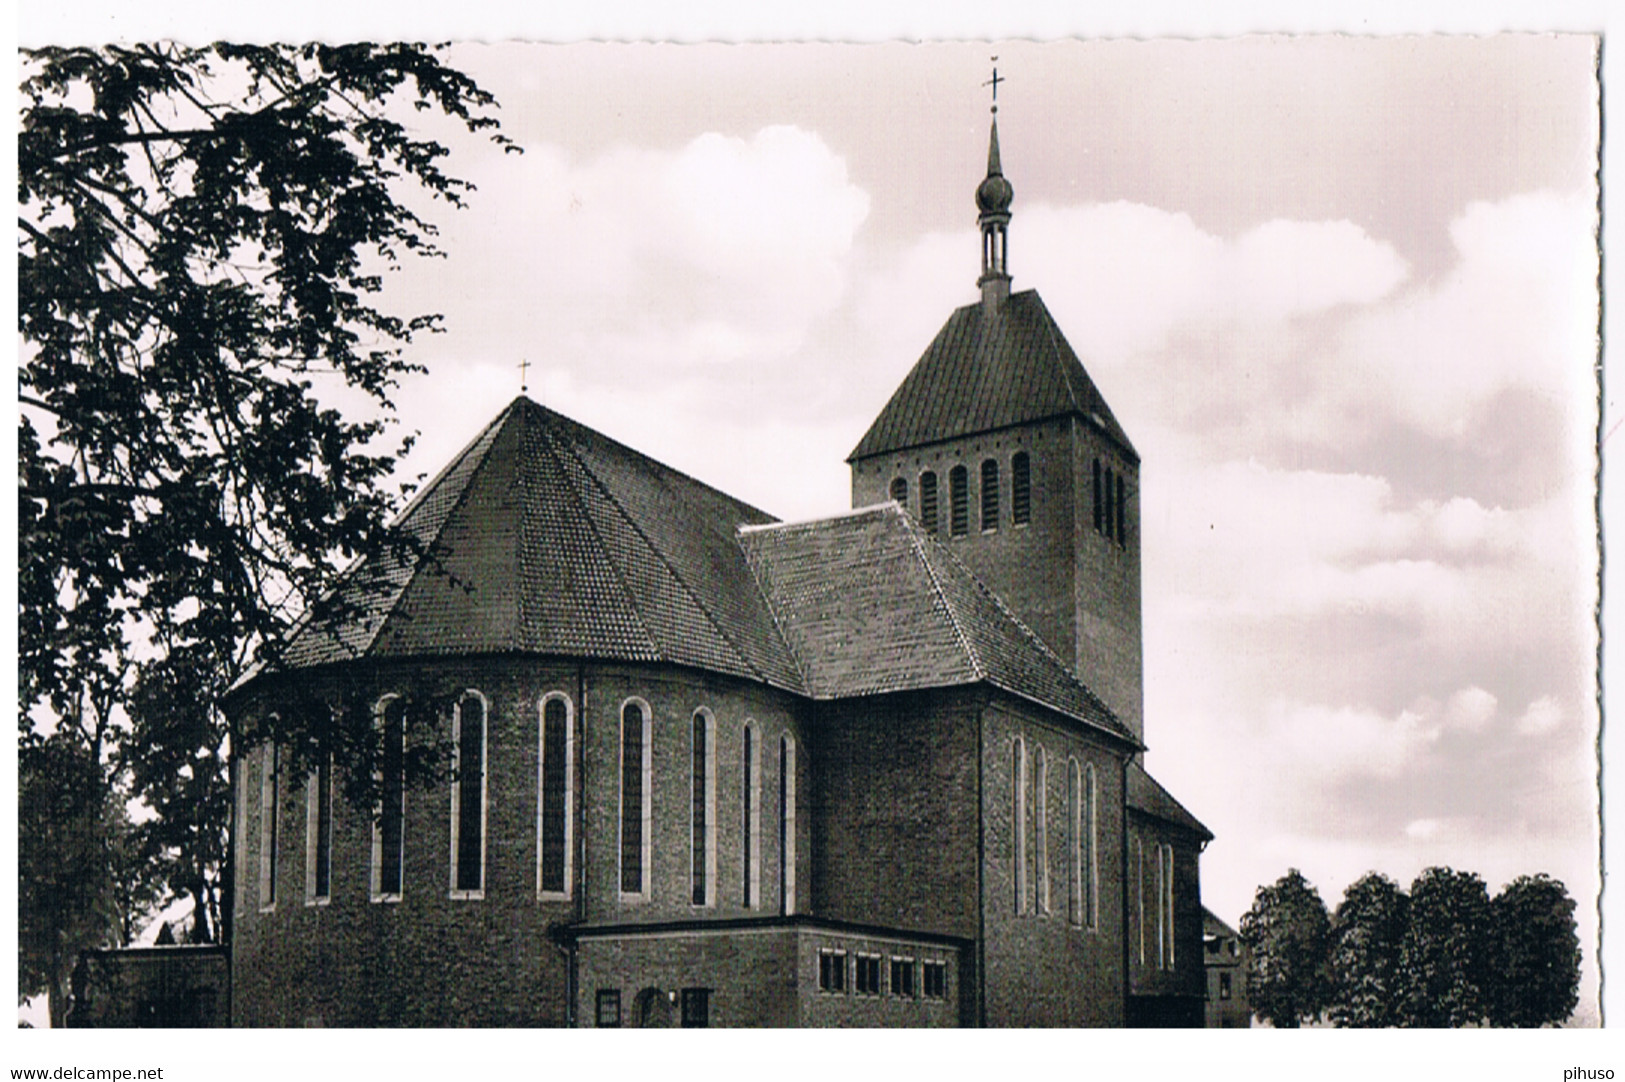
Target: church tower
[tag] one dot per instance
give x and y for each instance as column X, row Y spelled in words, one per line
column 999, row 443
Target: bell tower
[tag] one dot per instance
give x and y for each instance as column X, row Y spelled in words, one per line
column 1000, row 444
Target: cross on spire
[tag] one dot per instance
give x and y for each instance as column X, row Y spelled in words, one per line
column 523, row 367
column 994, row 83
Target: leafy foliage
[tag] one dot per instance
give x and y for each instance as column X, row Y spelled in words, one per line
column 1286, row 931
column 1536, row 970
column 1367, row 932
column 1446, row 950
column 201, row 236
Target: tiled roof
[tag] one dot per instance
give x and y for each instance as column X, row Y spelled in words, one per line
column 990, row 368
column 548, row 537
column 1145, row 795
column 869, row 603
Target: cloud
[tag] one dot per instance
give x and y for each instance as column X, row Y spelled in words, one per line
column 1542, row 717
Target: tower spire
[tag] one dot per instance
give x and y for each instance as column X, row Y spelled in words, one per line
column 993, row 198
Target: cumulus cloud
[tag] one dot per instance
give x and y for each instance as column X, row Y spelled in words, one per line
column 1542, row 717
column 725, row 250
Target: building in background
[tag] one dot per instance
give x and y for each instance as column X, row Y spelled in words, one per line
column 1226, row 959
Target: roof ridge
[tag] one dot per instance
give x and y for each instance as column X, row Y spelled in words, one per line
column 492, row 430
column 1060, row 358
column 916, row 539
column 548, row 441
column 772, row 609
column 671, row 568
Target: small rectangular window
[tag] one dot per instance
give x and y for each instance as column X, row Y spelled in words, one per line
column 1021, row 489
column 831, row 971
column 902, row 977
column 1224, row 986
column 696, row 1008
column 867, row 982
column 934, row 979
column 609, row 1008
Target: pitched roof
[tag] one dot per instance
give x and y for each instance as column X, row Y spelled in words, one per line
column 1146, row 796
column 869, row 603
column 990, row 367
column 549, row 537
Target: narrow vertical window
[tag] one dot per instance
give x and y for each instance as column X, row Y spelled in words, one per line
column 1100, row 509
column 1110, row 509
column 958, row 501
column 703, row 810
column 1168, row 903
column 468, row 798
column 1041, row 841
column 388, row 830
column 1122, row 513
column 555, row 827
column 1018, row 785
column 1091, row 848
column 928, row 501
column 990, row 494
column 634, row 798
column 1074, row 847
column 787, row 825
column 899, row 491
column 750, row 818
column 270, row 810
column 1021, row 489
column 319, row 834
column 1157, row 869
column 1138, row 856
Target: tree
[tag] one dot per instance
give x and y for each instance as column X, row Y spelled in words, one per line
column 1366, row 983
column 1534, row 975
column 79, row 880
column 1444, row 954
column 201, row 236
column 1287, row 933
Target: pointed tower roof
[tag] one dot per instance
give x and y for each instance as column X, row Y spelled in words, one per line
column 989, row 368
column 546, row 537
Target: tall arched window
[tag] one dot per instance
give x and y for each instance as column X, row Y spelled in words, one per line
column 1041, row 841
column 270, row 814
column 958, row 501
column 635, row 811
column 1137, row 861
column 1167, row 920
column 750, row 817
column 787, row 825
column 389, row 824
column 468, row 798
column 928, row 501
column 1160, row 884
column 319, row 833
column 703, row 813
column 1075, row 843
column 1021, row 489
column 555, row 805
column 1018, row 819
column 990, row 494
column 899, row 491
column 1091, row 848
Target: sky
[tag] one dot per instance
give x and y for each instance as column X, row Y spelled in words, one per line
column 1340, row 292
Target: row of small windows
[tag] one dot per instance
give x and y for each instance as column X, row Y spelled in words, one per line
column 555, row 803
column 1031, row 871
column 653, row 1007
column 909, row 978
column 1110, row 503
column 1154, row 888
column 1021, row 489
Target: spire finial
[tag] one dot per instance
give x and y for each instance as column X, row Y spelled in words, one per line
column 524, row 368
column 994, row 83
column 993, row 198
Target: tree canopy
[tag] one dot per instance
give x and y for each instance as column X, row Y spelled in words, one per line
column 202, row 236
column 1366, row 985
column 1286, row 933
column 1537, row 973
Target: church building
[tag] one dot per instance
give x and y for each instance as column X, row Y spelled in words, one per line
column 884, row 768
